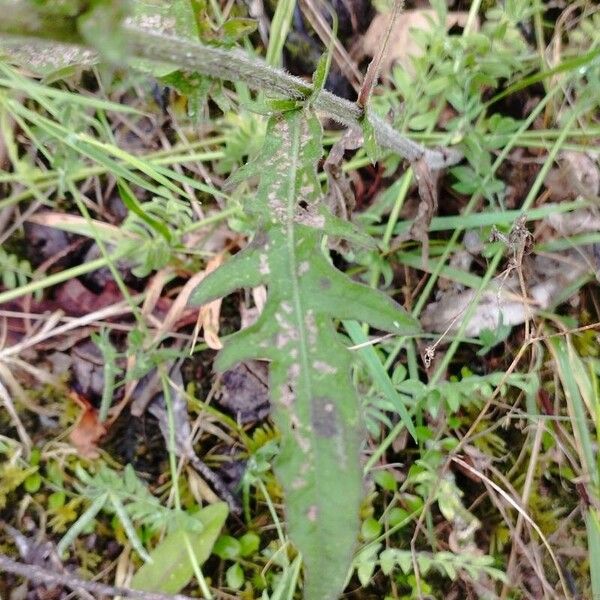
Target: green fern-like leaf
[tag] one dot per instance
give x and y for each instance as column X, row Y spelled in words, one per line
column 14, row 272
column 315, row 405
column 447, row 564
column 157, row 226
column 125, row 495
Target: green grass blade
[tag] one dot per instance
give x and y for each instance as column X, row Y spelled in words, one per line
column 569, row 64
column 581, row 399
column 280, row 27
column 82, row 522
column 381, row 379
column 130, row 201
column 130, row 531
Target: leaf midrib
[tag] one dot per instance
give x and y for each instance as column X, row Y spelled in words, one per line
column 291, row 256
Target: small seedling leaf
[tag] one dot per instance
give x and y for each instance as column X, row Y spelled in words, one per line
column 171, row 568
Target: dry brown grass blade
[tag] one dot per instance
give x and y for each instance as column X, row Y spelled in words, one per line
column 16, row 220
column 114, row 310
column 75, row 223
column 535, row 450
column 530, row 555
column 14, row 417
column 522, row 512
column 342, row 59
column 370, row 80
column 153, row 292
column 7, row 369
column 208, row 317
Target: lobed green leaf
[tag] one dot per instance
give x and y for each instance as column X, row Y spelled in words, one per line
column 315, row 405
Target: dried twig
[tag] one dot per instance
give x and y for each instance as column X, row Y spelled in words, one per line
column 41, row 575
column 370, row 80
column 14, row 416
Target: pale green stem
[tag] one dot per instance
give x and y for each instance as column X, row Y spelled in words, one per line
column 171, row 438
column 228, row 64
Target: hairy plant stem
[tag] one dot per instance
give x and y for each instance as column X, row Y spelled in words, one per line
column 235, row 65
column 230, row 65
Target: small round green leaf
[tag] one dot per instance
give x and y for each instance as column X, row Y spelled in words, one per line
column 370, row 529
column 386, row 481
column 249, row 544
column 235, row 576
column 227, row 547
column 33, row 483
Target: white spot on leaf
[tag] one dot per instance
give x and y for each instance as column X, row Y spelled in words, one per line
column 324, row 368
column 303, row 268
column 264, row 265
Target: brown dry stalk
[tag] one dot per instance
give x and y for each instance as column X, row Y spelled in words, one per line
column 46, row 576
column 370, row 80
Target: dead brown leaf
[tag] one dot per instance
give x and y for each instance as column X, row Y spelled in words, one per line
column 89, row 430
column 577, row 175
column 208, row 317
column 76, row 300
column 340, row 196
column 244, row 391
column 427, row 180
column 502, row 302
